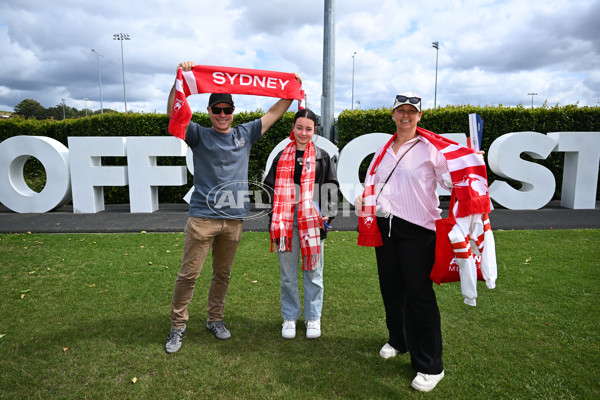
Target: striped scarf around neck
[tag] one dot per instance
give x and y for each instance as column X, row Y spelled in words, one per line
column 284, row 206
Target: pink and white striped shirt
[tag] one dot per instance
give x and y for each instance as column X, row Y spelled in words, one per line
column 410, row 193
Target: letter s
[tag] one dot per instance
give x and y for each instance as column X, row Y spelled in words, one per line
column 538, row 183
column 219, row 78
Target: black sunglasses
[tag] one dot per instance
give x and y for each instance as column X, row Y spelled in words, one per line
column 411, row 100
column 226, row 110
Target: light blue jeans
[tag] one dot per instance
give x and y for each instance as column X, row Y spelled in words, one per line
column 289, row 263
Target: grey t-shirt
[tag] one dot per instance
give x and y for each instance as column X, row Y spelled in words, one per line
column 221, row 169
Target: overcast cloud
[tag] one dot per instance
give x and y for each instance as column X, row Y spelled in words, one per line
column 491, row 51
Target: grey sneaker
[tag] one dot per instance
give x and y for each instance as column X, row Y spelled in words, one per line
column 219, row 329
column 174, row 340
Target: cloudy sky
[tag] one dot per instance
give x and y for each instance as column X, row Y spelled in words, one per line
column 490, row 51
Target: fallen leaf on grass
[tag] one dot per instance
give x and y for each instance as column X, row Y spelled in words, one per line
column 149, row 262
column 527, row 261
column 254, row 281
column 65, row 349
column 92, row 285
column 32, row 272
column 134, row 380
column 2, row 335
column 23, row 295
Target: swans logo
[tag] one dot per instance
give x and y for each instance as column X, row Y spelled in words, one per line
column 476, row 182
column 239, row 142
column 230, row 199
column 369, row 221
column 178, row 105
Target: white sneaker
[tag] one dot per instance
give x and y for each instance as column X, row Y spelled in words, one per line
column 313, row 329
column 388, row 351
column 289, row 329
column 426, row 383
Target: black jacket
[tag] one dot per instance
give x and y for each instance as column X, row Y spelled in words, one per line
column 326, row 188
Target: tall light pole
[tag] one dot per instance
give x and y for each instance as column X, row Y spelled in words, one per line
column 63, row 104
column 436, row 46
column 122, row 37
column 531, row 94
column 327, row 100
column 98, row 55
column 353, row 80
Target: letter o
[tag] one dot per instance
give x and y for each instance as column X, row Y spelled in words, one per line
column 351, row 157
column 14, row 191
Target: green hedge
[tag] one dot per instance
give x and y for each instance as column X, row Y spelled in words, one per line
column 498, row 121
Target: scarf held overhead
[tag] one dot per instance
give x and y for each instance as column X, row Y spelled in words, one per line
column 469, row 179
column 211, row 79
column 284, row 203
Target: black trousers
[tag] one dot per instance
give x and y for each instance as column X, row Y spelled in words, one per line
column 404, row 263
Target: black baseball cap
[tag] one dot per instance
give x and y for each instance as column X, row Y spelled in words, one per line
column 217, row 98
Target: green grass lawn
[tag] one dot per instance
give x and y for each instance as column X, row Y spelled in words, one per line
column 84, row 315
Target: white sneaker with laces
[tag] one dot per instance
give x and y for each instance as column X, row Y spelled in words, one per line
column 288, row 331
column 426, row 383
column 313, row 329
column 388, row 351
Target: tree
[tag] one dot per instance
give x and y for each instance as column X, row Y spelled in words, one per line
column 30, row 109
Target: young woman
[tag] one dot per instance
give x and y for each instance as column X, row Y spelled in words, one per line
column 304, row 197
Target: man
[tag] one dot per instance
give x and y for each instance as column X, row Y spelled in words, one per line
column 221, row 155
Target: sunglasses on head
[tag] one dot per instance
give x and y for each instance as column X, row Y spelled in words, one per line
column 411, row 100
column 226, row 110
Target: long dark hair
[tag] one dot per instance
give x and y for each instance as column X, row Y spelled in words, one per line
column 306, row 113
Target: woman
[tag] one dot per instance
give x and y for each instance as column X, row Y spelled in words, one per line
column 304, row 197
column 400, row 191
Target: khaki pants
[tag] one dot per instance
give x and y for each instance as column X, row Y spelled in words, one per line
column 224, row 236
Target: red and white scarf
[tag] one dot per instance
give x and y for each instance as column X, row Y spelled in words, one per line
column 284, row 203
column 469, row 179
column 211, row 79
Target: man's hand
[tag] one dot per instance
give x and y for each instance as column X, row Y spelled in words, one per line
column 186, row 65
column 298, row 77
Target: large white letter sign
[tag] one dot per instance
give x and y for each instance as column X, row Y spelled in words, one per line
column 87, row 173
column 351, row 157
column 538, row 183
column 144, row 174
column 580, row 173
column 14, row 191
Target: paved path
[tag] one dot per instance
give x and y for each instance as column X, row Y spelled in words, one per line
column 172, row 218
